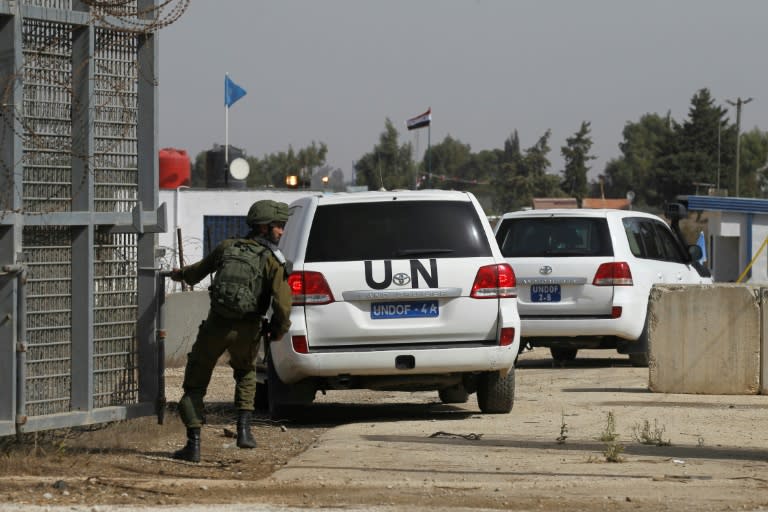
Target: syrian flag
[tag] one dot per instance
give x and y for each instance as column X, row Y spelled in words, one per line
column 420, row 121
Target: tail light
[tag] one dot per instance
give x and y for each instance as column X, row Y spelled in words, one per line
column 309, row 288
column 616, row 312
column 507, row 336
column 613, row 274
column 494, row 282
column 300, row 345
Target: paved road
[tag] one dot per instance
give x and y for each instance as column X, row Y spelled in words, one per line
column 398, row 451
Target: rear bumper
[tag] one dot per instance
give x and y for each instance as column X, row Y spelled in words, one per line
column 293, row 367
column 628, row 328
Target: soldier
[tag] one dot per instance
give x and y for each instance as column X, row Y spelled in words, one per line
column 251, row 276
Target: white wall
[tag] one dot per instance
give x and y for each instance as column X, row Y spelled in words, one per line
column 759, row 234
column 186, row 208
column 730, row 252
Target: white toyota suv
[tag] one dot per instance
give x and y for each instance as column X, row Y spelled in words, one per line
column 401, row 290
column 584, row 276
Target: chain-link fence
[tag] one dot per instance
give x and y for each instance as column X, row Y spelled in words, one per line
column 79, row 336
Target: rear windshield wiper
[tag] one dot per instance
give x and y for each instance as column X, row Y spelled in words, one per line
column 415, row 252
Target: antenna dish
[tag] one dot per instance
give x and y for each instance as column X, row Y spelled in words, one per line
column 239, row 168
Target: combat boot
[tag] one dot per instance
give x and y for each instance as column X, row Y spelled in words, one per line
column 191, row 451
column 244, row 437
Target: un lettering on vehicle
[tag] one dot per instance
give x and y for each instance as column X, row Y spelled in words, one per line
column 417, row 270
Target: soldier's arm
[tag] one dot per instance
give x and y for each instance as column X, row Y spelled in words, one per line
column 194, row 273
column 281, row 300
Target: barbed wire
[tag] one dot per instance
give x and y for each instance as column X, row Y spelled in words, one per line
column 52, row 120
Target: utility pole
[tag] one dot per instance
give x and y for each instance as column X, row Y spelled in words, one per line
column 739, row 102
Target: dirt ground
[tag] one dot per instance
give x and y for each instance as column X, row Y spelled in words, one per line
column 586, row 435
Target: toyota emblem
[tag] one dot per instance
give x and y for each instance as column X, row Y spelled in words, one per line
column 401, row 279
column 545, row 270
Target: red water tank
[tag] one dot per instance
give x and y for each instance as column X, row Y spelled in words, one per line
column 175, row 168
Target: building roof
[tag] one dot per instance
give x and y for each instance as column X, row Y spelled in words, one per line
column 540, row 203
column 597, row 202
column 726, row 204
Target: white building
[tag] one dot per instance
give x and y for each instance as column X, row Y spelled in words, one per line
column 202, row 217
column 738, row 235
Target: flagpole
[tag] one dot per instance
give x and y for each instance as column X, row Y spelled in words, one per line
column 226, row 132
column 429, row 152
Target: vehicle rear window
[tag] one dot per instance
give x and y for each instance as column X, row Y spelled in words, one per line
column 554, row 236
column 396, row 230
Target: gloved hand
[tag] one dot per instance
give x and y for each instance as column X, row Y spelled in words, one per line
column 176, row 275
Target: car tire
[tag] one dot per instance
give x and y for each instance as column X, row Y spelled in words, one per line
column 454, row 395
column 563, row 353
column 496, row 393
column 284, row 401
column 639, row 360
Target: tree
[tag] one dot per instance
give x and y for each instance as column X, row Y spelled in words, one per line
column 636, row 169
column 503, row 181
column 693, row 158
column 576, row 155
column 199, row 178
column 522, row 177
column 754, row 163
column 274, row 168
column 389, row 165
column 449, row 158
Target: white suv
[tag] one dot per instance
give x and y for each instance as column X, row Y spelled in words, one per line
column 402, row 290
column 584, row 276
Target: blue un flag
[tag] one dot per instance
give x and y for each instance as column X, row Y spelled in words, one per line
column 701, row 242
column 232, row 91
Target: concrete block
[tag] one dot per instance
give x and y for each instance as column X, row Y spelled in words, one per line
column 764, row 342
column 705, row 339
column 183, row 313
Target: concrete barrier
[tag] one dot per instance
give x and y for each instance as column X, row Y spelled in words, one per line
column 183, row 313
column 764, row 342
column 706, row 338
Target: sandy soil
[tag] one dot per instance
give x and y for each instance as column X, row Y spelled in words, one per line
column 407, row 450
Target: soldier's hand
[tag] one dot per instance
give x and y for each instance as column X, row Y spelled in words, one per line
column 176, row 274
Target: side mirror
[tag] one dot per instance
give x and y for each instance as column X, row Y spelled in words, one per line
column 694, row 251
column 675, row 211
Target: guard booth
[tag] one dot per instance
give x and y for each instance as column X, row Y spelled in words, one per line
column 79, row 213
column 738, row 235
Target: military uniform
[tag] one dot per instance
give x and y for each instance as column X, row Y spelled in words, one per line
column 240, row 337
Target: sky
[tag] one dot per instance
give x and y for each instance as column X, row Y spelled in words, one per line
column 333, row 71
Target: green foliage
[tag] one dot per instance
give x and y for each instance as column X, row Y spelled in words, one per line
column 272, row 170
column 576, row 155
column 389, row 165
column 448, row 158
column 523, row 176
column 609, row 434
column 198, row 177
column 660, row 159
column 563, row 430
column 644, row 434
column 613, row 449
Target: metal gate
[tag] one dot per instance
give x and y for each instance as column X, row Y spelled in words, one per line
column 79, row 213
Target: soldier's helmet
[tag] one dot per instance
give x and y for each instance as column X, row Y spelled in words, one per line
column 266, row 211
